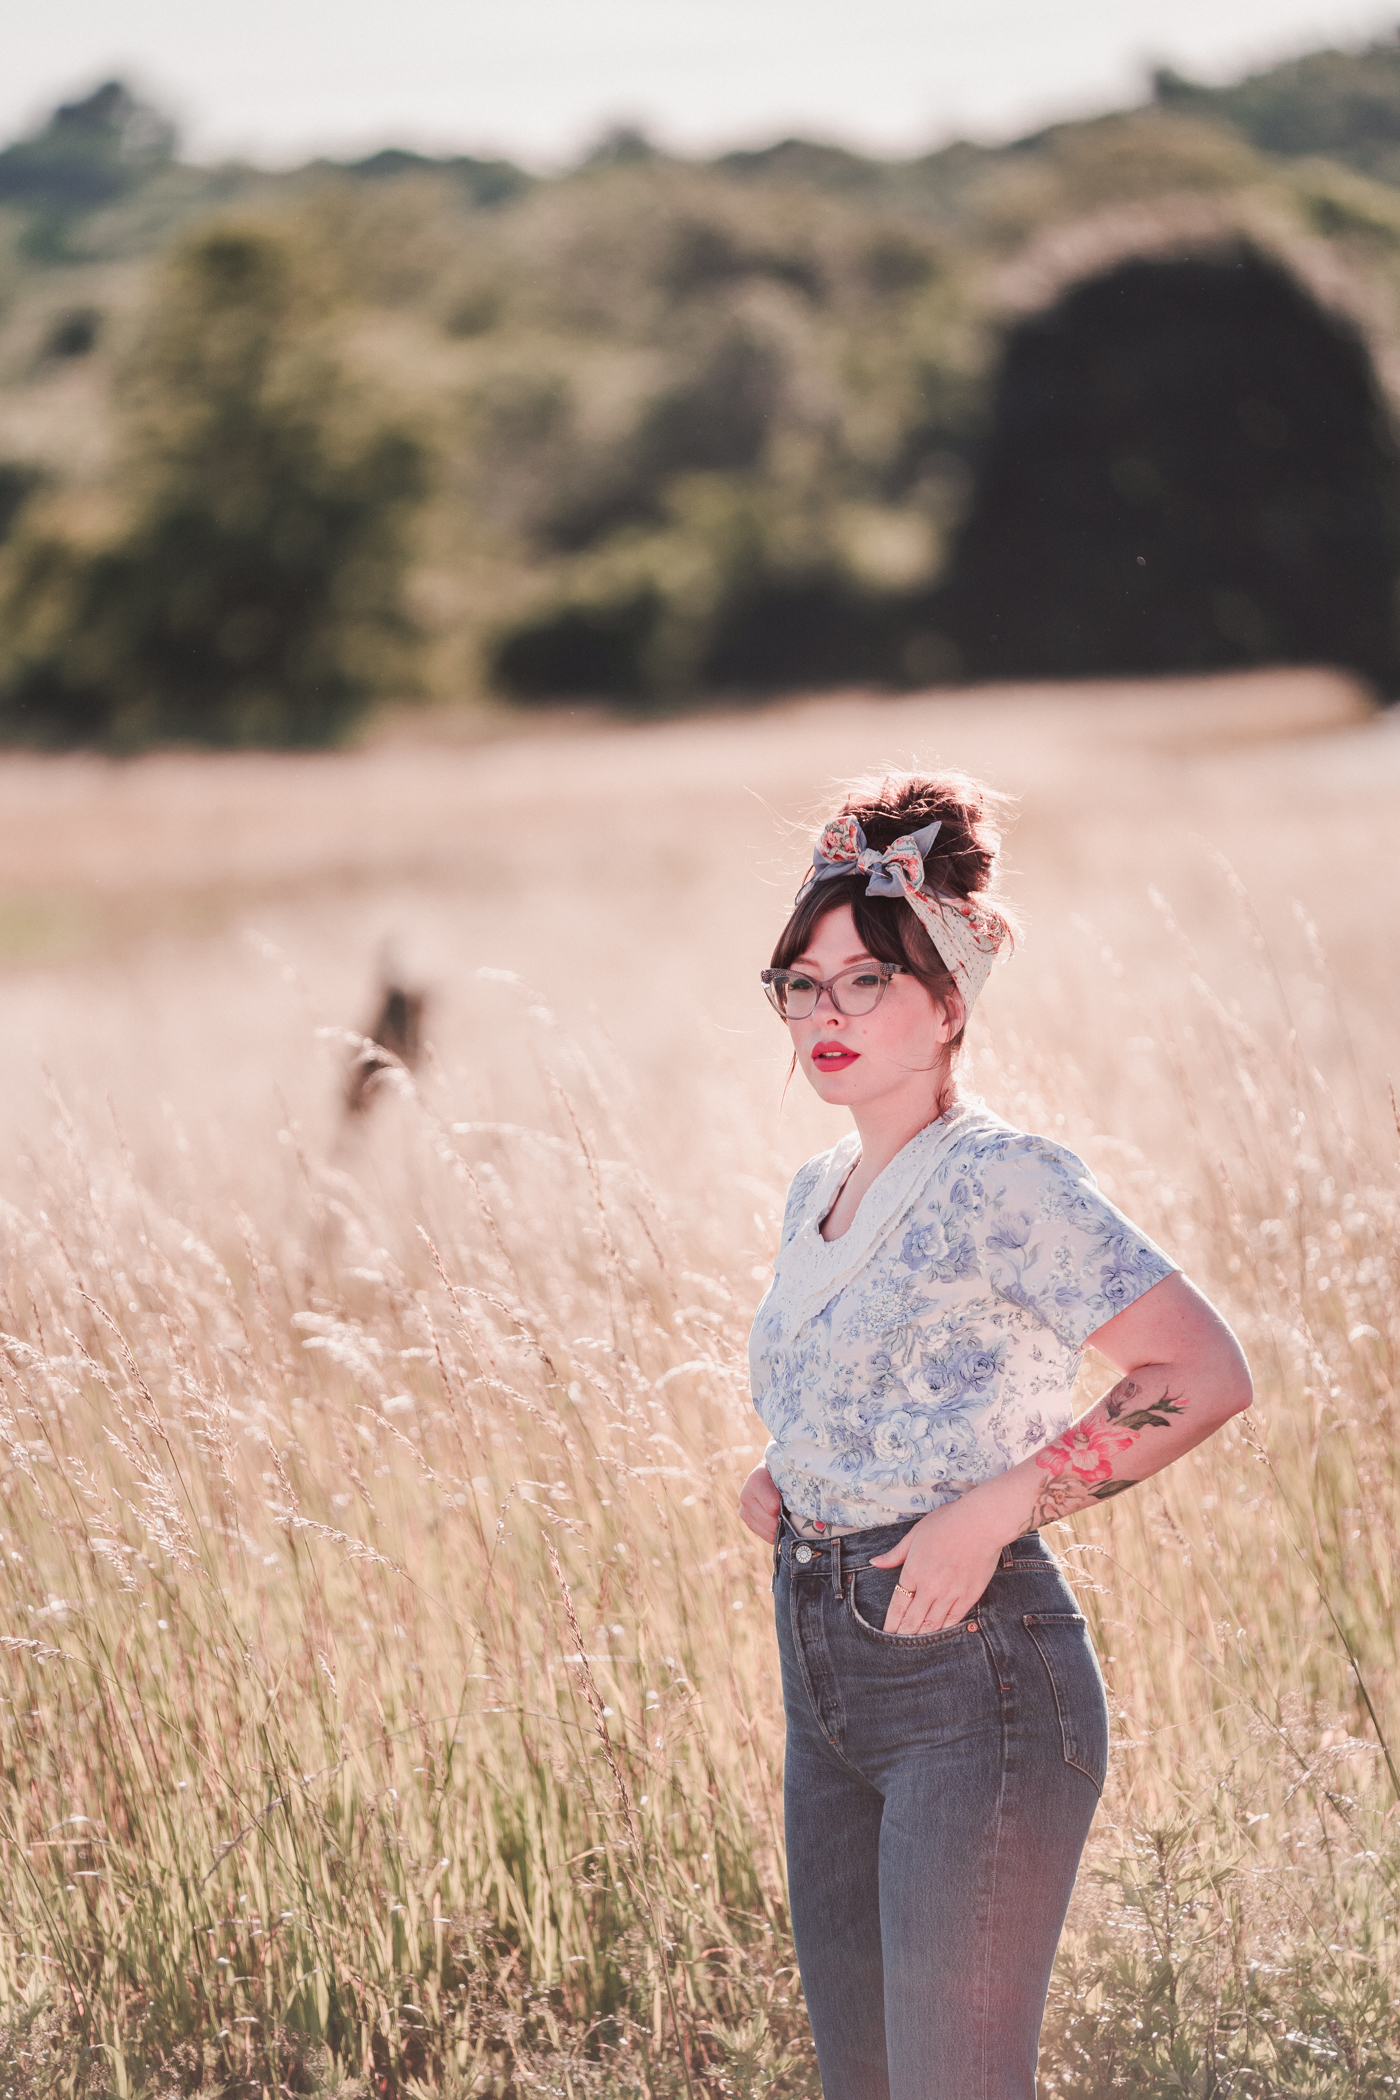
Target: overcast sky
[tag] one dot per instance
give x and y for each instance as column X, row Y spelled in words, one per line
column 277, row 80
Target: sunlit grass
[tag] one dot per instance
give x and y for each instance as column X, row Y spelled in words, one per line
column 390, row 1700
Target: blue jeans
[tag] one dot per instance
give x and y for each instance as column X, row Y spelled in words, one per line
column 938, row 1791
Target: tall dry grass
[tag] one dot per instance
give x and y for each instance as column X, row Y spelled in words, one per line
column 389, row 1691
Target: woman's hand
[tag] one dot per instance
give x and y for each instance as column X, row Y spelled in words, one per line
column 946, row 1561
column 760, row 1504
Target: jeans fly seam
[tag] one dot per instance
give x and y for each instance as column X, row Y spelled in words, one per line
column 800, row 1651
column 837, row 1740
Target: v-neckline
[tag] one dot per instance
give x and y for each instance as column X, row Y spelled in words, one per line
column 809, row 1270
column 837, row 1236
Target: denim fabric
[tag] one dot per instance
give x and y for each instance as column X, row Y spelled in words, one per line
column 938, row 1791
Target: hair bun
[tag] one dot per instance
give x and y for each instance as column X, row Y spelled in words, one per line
column 963, row 857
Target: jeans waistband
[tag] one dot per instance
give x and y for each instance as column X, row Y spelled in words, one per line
column 857, row 1549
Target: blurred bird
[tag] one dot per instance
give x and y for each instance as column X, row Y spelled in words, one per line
column 394, row 1037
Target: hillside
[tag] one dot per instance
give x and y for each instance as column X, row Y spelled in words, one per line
column 734, row 425
column 1342, row 104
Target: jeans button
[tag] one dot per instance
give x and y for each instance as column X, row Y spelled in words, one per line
column 804, row 1554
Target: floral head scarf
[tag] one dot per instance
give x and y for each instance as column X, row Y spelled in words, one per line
column 967, row 934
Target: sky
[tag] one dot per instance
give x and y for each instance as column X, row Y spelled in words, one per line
column 279, row 80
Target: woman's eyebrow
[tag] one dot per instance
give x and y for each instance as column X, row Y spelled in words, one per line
column 861, row 955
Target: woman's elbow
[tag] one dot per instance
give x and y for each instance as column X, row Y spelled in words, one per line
column 1239, row 1392
column 1234, row 1385
column 1219, row 1377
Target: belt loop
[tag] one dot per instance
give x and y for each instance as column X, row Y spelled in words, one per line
column 836, row 1566
column 1006, row 1555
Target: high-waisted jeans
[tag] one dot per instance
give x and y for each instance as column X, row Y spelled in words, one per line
column 939, row 1789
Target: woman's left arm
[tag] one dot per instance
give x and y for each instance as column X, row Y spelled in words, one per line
column 1184, row 1375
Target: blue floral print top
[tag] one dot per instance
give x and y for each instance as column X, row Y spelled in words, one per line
column 936, row 1342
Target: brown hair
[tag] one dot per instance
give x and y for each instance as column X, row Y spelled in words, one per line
column 961, row 861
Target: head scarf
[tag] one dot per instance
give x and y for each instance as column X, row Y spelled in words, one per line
column 966, row 933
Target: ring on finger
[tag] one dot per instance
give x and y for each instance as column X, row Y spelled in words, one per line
column 902, row 1591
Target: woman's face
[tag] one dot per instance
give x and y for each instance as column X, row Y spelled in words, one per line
column 857, row 1060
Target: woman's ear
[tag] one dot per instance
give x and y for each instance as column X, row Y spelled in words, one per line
column 954, row 1014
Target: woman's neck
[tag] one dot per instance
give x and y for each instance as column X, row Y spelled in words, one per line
column 884, row 1129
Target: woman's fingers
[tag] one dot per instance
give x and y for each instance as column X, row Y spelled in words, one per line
column 926, row 1611
column 908, row 1611
column 917, row 1617
column 898, row 1618
column 895, row 1557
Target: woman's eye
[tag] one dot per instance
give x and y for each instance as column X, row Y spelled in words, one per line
column 801, row 984
column 863, row 979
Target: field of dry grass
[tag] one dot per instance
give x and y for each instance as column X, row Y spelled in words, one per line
column 389, row 1695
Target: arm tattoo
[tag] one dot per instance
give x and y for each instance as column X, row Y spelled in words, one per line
column 1082, row 1463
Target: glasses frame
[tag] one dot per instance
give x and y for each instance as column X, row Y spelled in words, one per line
column 770, row 980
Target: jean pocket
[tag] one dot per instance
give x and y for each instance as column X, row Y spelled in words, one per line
column 1062, row 1642
column 878, row 1586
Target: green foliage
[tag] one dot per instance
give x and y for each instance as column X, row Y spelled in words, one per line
column 716, row 415
column 1342, row 104
column 809, row 333
column 256, row 592
column 769, row 373
column 483, row 182
column 736, row 589
column 1167, row 1995
column 17, row 485
column 88, row 153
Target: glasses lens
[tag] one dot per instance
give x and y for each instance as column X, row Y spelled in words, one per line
column 799, row 993
column 858, row 991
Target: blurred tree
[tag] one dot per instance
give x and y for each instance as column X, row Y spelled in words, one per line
column 1189, row 463
column 73, row 334
column 1345, row 104
column 717, row 415
column 482, row 182
column 746, row 423
column 88, row 152
column 743, row 590
column 18, row 481
column 256, row 596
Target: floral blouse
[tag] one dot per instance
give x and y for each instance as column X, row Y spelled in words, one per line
column 936, row 1342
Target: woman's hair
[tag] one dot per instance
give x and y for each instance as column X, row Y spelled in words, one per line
column 962, row 860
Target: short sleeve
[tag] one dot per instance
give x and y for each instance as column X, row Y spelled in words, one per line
column 1051, row 1241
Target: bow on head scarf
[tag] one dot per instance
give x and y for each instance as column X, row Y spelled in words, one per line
column 966, row 934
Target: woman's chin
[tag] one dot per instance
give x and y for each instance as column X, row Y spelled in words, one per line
column 846, row 1088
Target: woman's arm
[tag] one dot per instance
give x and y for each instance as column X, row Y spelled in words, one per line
column 1185, row 1374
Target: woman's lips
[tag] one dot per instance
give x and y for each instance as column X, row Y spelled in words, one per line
column 833, row 1057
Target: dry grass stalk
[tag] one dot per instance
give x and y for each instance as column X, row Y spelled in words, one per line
column 388, row 1689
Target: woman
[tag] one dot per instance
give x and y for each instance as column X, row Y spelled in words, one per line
column 939, row 1277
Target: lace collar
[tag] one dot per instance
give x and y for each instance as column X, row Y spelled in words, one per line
column 809, row 1270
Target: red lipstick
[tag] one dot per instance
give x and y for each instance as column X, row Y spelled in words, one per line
column 833, row 1056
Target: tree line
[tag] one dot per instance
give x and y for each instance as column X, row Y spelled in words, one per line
column 645, row 430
